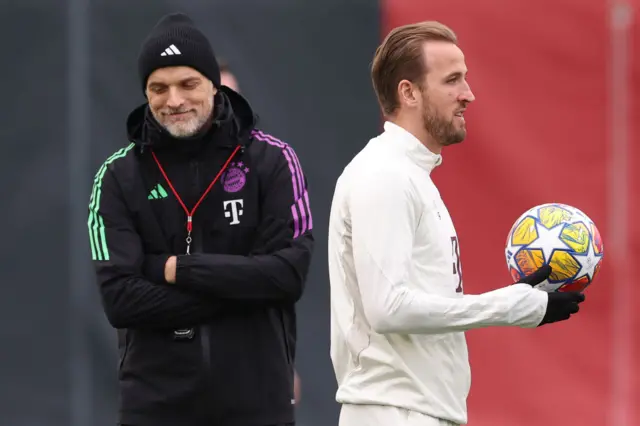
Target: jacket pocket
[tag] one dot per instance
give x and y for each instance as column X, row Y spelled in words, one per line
column 285, row 338
column 123, row 346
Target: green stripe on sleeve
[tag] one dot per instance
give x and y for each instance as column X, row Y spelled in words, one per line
column 95, row 224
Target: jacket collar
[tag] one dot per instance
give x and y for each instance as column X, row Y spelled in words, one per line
column 412, row 147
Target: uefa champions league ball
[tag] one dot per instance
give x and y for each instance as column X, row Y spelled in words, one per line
column 560, row 236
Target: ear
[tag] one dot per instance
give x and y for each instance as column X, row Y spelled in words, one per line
column 408, row 93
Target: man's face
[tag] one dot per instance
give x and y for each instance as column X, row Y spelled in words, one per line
column 446, row 93
column 180, row 99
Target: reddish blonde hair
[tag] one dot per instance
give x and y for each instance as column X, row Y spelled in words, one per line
column 400, row 57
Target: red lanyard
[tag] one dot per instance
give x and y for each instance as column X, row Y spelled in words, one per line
column 193, row 210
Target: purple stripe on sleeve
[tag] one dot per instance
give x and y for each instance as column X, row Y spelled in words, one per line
column 306, row 200
column 303, row 213
column 292, row 158
column 292, row 166
column 300, row 209
column 296, row 221
column 296, row 162
column 297, row 188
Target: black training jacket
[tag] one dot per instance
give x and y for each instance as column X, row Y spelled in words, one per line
column 218, row 346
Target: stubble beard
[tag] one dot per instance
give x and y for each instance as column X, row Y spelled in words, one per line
column 191, row 127
column 442, row 130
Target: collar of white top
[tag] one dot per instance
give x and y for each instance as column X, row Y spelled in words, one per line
column 415, row 149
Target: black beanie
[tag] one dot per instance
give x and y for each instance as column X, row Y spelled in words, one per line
column 175, row 41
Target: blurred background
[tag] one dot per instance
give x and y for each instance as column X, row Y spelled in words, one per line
column 556, row 119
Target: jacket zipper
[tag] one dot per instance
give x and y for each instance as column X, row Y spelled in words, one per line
column 205, row 332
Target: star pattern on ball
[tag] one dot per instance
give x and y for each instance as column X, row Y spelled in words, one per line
column 588, row 262
column 510, row 254
column 548, row 240
column 512, row 262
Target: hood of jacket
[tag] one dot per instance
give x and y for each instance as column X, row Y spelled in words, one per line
column 232, row 124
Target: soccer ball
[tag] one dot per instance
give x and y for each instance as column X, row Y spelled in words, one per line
column 562, row 237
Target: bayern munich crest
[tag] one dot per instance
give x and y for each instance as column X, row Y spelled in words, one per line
column 235, row 177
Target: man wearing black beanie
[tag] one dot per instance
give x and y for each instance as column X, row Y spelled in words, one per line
column 161, row 59
column 201, row 237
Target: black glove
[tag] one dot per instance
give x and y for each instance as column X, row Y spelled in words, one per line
column 561, row 305
column 273, row 234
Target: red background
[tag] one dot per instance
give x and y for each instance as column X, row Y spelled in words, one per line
column 539, row 131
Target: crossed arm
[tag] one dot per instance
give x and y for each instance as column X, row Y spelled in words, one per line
column 168, row 291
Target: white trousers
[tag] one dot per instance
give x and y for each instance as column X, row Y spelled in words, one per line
column 383, row 415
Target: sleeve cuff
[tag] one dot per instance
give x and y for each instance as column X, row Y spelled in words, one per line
column 154, row 267
column 182, row 270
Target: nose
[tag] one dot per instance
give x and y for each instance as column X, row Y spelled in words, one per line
column 175, row 99
column 467, row 95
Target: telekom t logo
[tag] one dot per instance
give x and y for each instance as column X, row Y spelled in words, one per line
column 233, row 209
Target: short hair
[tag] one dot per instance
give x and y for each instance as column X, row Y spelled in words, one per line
column 400, row 57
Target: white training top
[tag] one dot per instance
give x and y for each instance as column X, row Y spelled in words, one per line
column 398, row 313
